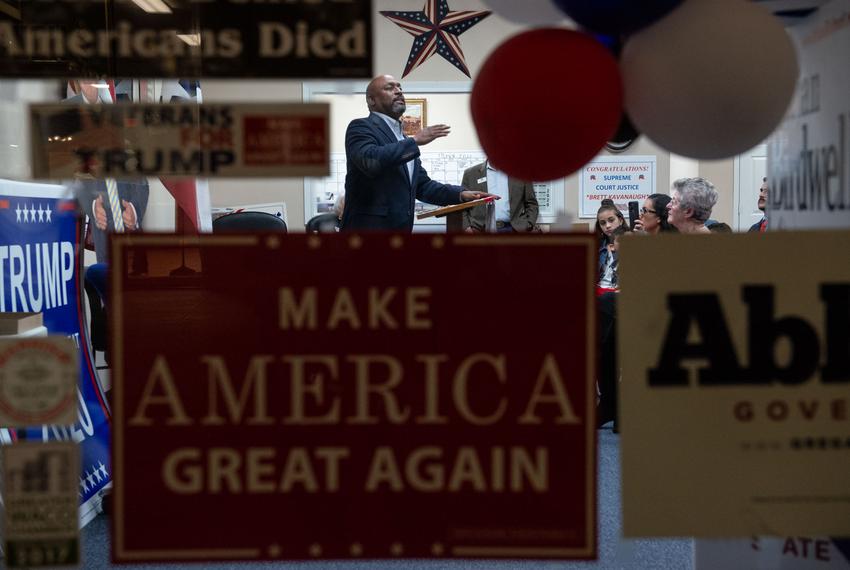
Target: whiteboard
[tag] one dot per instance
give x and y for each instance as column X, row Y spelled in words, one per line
column 442, row 166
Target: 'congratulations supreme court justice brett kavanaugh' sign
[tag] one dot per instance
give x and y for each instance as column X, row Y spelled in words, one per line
column 370, row 396
column 186, row 38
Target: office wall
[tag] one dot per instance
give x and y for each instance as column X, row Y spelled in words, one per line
column 15, row 96
column 721, row 173
column 235, row 191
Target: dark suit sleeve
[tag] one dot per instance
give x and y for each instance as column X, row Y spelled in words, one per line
column 86, row 193
column 433, row 192
column 372, row 157
column 532, row 208
column 137, row 193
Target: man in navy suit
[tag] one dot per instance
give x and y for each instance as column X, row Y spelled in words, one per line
column 384, row 175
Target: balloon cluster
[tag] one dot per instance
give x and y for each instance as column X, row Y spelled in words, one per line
column 706, row 79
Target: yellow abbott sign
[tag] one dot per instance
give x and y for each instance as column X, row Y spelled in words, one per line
column 736, row 385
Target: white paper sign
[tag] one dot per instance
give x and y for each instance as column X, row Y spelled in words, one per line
column 41, row 485
column 773, row 553
column 620, row 178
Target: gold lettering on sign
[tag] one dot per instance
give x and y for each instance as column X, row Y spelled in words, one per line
column 218, row 381
column 260, row 470
column 461, row 390
column 549, row 374
column 160, row 376
column 300, row 386
column 365, row 388
column 428, row 469
column 376, row 308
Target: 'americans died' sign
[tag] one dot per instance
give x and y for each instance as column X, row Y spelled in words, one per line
column 186, row 38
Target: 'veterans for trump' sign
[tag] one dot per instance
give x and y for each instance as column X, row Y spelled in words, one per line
column 735, row 407
column 360, row 396
column 138, row 140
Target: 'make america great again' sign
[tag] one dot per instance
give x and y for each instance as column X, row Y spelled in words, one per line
column 344, row 396
column 186, row 38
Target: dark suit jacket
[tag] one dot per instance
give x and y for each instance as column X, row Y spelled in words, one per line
column 523, row 202
column 378, row 191
column 87, row 191
column 756, row 226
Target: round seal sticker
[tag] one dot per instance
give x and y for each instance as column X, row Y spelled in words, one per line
column 38, row 379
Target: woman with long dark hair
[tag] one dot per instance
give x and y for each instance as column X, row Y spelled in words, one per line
column 653, row 216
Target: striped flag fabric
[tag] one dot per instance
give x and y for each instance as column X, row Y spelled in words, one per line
column 192, row 195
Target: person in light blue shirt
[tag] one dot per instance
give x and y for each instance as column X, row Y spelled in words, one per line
column 517, row 208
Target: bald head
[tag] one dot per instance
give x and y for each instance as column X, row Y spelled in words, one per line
column 384, row 95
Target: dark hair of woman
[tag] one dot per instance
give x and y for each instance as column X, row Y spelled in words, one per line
column 659, row 204
column 607, row 204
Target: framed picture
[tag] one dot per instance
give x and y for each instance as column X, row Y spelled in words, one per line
column 415, row 116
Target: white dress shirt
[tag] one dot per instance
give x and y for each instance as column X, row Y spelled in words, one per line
column 497, row 183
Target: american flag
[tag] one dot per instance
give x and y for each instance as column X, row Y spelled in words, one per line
column 192, row 195
column 435, row 30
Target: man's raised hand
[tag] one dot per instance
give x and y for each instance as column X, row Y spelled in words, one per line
column 428, row 134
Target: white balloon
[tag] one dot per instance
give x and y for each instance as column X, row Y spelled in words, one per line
column 710, row 80
column 527, row 11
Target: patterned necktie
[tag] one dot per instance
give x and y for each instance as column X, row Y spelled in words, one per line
column 114, row 205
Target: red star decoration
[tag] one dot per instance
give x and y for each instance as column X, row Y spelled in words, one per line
column 436, row 30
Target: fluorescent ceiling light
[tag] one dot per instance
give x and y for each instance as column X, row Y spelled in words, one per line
column 153, row 6
column 191, row 39
column 100, row 85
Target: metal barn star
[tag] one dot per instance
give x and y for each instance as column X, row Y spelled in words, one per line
column 435, row 30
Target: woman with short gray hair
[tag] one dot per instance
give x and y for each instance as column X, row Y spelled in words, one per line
column 693, row 200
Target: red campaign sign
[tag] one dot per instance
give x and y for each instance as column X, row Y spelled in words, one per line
column 345, row 396
column 285, row 140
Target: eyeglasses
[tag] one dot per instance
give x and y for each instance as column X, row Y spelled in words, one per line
column 645, row 210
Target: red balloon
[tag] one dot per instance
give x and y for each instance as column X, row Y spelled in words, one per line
column 545, row 102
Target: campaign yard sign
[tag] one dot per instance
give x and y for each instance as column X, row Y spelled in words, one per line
column 306, row 39
column 809, row 154
column 734, row 392
column 773, row 553
column 361, row 396
column 133, row 141
column 40, row 271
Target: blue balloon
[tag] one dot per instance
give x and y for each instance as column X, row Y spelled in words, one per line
column 616, row 17
column 613, row 43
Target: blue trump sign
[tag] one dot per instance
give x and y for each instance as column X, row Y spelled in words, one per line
column 41, row 265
